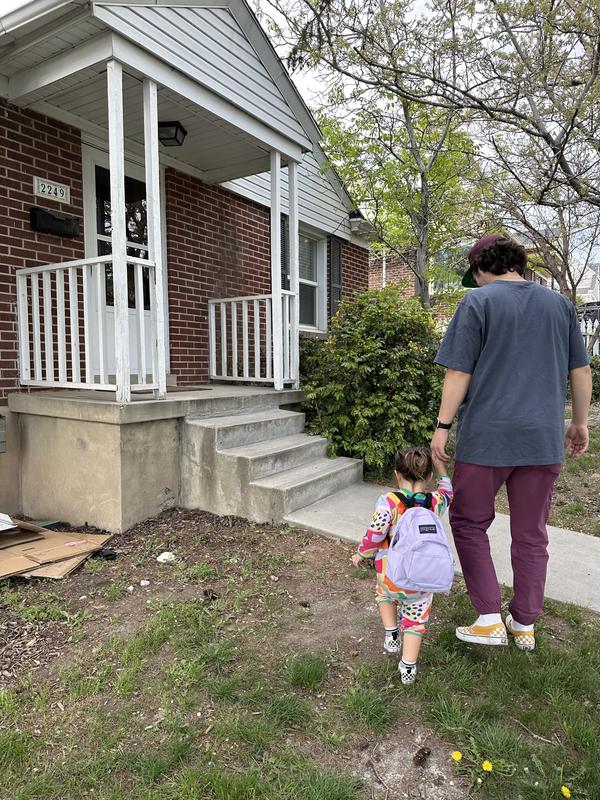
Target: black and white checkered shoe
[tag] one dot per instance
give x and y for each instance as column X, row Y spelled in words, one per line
column 408, row 673
column 393, row 646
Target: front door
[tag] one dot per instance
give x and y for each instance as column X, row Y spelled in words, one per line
column 98, row 230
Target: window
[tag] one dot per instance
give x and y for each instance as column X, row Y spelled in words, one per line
column 311, row 268
column 309, row 283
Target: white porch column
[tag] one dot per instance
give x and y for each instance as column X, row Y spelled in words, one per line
column 294, row 270
column 276, row 305
column 114, row 73
column 155, row 249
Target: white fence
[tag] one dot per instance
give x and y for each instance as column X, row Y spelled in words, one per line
column 66, row 331
column 241, row 338
column 588, row 329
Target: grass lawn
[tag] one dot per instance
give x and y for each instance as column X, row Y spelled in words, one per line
column 253, row 670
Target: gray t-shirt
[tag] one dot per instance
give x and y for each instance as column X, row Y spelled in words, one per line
column 519, row 341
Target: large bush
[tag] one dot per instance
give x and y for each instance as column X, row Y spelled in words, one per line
column 596, row 379
column 372, row 387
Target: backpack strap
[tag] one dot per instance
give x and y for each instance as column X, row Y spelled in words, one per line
column 410, row 502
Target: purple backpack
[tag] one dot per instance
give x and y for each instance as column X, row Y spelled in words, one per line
column 419, row 556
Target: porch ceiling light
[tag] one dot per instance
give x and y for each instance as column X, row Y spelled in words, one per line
column 171, row 134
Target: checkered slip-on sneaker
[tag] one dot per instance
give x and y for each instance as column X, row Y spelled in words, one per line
column 408, row 673
column 525, row 640
column 483, row 634
column 393, row 646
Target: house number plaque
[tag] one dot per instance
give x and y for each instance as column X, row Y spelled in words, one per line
column 51, row 190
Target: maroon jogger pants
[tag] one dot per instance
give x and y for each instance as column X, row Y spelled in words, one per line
column 471, row 514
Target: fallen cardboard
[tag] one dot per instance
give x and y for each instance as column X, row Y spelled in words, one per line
column 58, row 570
column 49, row 548
column 9, row 538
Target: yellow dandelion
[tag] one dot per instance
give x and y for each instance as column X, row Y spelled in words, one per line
column 487, row 766
column 566, row 792
column 456, row 755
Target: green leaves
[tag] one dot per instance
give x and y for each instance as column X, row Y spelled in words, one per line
column 372, row 386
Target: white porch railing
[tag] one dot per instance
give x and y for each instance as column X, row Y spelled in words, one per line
column 588, row 329
column 241, row 339
column 63, row 326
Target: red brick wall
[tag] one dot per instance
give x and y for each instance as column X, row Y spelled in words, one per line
column 397, row 271
column 218, row 245
column 355, row 269
column 31, row 145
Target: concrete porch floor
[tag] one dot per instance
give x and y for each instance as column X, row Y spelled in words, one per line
column 98, row 406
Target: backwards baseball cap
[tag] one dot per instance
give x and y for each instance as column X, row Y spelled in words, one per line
column 482, row 244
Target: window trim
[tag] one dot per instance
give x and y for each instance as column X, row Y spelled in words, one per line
column 320, row 284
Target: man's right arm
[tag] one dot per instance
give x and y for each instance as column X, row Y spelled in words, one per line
column 577, row 436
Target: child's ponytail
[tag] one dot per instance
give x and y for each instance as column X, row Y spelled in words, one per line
column 415, row 464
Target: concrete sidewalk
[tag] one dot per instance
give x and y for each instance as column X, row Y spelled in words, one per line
column 573, row 571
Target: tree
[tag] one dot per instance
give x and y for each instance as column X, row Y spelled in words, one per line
column 527, row 73
column 562, row 234
column 407, row 165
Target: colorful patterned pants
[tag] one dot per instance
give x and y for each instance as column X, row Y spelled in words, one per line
column 414, row 607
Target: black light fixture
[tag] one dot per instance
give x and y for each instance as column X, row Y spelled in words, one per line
column 171, row 134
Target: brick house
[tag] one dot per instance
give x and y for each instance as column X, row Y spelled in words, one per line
column 168, row 218
column 390, row 269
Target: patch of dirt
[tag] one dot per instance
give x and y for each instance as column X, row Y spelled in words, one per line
column 390, row 765
column 323, row 606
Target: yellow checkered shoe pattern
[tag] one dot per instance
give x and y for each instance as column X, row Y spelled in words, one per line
column 524, row 640
column 483, row 634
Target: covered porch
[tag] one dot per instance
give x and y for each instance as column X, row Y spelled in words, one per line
column 100, row 322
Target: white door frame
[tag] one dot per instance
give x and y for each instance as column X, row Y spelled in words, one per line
column 95, row 152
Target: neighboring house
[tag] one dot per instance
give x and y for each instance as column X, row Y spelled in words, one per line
column 390, row 269
column 129, row 264
column 589, row 286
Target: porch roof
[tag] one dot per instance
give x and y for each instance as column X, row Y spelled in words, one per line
column 217, row 72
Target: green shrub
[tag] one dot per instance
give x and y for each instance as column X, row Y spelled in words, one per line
column 372, row 387
column 596, row 379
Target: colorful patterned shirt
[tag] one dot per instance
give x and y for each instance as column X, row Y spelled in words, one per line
column 389, row 508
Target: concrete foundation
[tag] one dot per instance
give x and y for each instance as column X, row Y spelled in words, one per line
column 10, row 464
column 83, row 458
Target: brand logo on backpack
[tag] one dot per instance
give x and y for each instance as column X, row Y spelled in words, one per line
column 428, row 530
column 419, row 556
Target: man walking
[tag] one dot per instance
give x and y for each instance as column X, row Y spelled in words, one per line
column 508, row 352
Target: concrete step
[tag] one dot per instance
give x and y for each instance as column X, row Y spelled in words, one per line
column 346, row 514
column 257, row 426
column 276, row 455
column 286, row 491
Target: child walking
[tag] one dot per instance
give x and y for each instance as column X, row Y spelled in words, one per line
column 414, row 469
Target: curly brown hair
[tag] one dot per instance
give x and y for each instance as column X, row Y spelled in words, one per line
column 414, row 464
column 503, row 256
